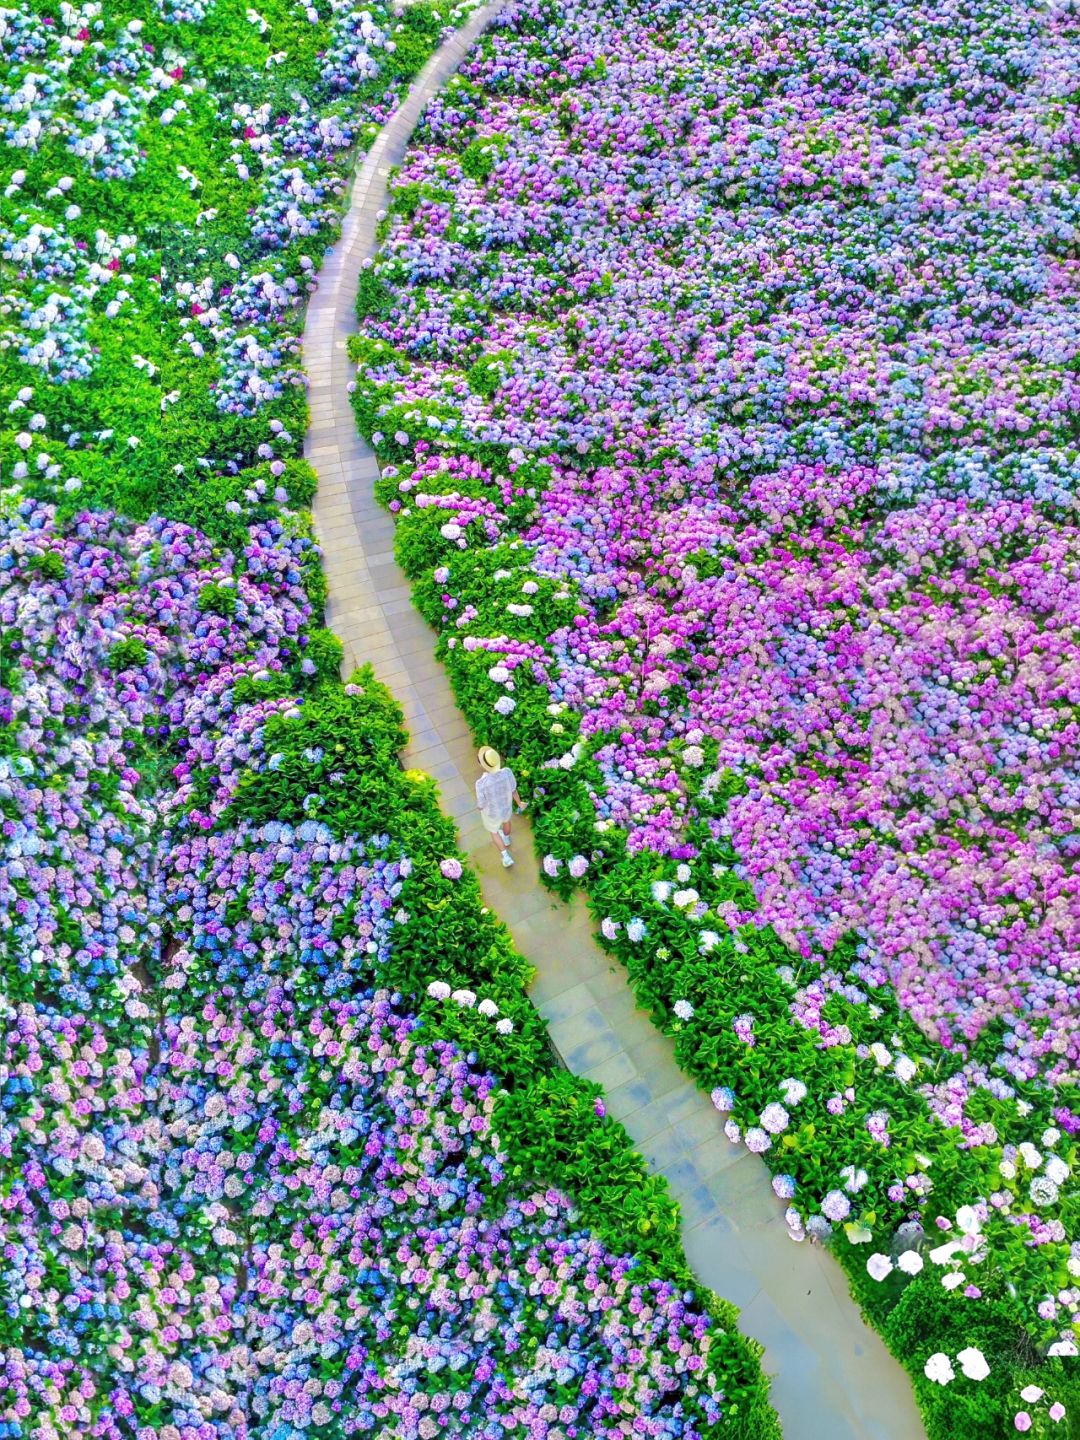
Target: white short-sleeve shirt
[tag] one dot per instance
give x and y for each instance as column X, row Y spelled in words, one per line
column 495, row 796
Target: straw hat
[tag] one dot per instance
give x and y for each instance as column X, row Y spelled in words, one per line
column 490, row 759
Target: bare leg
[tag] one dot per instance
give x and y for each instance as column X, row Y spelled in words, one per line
column 502, row 844
column 506, row 832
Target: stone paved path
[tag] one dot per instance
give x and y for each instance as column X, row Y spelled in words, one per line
column 834, row 1380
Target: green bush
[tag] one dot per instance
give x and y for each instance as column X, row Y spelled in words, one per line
column 482, row 155
column 49, row 564
column 335, row 760
column 218, row 600
column 299, row 482
column 489, row 372
column 374, row 299
column 326, row 653
column 129, row 654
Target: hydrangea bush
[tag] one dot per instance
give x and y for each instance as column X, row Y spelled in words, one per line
column 721, row 365
column 284, row 1150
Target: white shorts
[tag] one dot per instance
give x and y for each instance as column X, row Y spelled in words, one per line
column 492, row 823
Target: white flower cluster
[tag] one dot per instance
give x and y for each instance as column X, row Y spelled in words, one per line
column 972, row 1364
column 467, row 1000
column 60, row 285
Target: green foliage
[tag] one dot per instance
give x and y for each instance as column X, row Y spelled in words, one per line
column 203, row 502
column 374, row 353
column 482, row 155
column 299, row 482
column 315, row 586
column 129, row 654
column 927, row 1319
column 326, row 653
column 611, row 1179
column 218, row 600
column 278, row 684
column 49, row 564
column 333, row 759
column 374, row 299
column 405, row 200
column 414, row 41
column 489, row 372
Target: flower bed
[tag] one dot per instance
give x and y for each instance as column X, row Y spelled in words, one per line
column 721, row 369
column 283, row 1147
column 170, row 187
column 242, row 1179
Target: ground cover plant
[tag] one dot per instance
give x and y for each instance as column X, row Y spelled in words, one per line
column 722, row 367
column 283, row 1148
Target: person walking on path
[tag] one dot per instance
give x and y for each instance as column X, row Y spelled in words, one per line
column 496, row 795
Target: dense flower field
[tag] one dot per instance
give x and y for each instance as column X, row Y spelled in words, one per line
column 722, row 365
column 283, row 1149
column 243, row 1179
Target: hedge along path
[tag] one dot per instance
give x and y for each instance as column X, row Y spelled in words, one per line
column 834, row 1379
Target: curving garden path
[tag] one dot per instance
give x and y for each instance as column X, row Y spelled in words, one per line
column 834, row 1379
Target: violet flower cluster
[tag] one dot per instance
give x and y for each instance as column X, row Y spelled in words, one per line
column 286, row 1219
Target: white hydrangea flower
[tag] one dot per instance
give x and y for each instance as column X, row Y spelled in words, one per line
column 973, row 1363
column 879, row 1267
column 853, row 1178
column 939, row 1369
column 968, row 1221
column 774, row 1118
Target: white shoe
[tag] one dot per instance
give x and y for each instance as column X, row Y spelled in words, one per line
column 507, row 859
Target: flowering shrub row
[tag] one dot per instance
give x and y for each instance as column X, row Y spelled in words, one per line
column 721, row 369
column 283, row 1148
